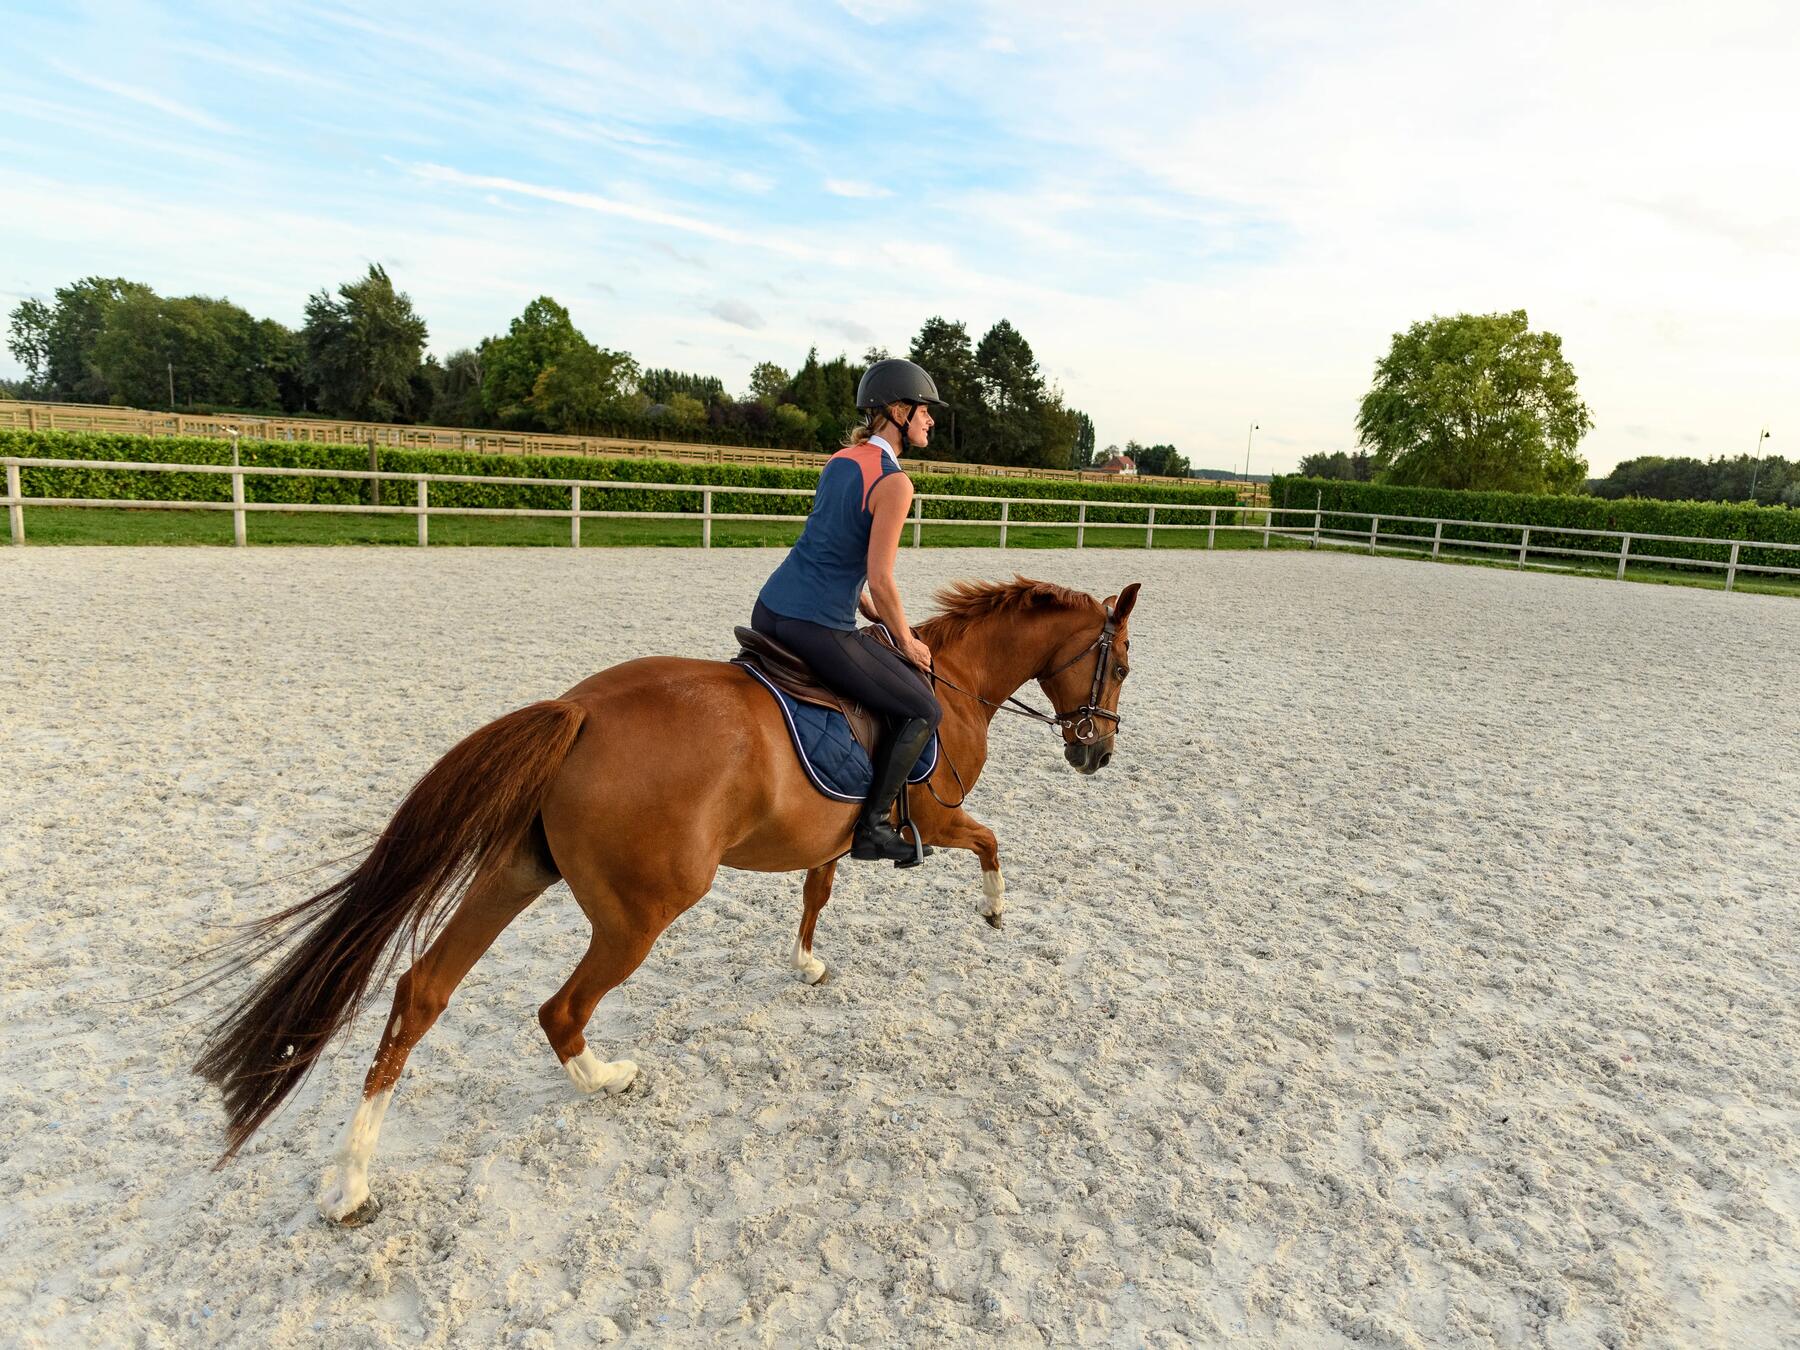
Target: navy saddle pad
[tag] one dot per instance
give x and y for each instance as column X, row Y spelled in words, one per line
column 836, row 764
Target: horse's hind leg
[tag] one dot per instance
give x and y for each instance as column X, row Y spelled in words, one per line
column 817, row 892
column 420, row 996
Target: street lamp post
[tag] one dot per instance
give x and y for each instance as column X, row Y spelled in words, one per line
column 1756, row 464
column 1248, row 486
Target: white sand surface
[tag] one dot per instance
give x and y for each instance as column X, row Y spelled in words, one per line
column 1422, row 972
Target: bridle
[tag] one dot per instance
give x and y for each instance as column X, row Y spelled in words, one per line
column 1082, row 721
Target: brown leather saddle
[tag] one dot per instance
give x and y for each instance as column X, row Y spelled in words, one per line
column 784, row 669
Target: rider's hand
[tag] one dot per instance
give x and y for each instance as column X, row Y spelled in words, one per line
column 916, row 652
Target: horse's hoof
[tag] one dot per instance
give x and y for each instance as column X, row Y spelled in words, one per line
column 364, row 1213
column 995, row 920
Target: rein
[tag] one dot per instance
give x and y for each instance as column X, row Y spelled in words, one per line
column 1082, row 721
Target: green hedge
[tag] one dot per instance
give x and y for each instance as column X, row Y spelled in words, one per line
column 135, row 485
column 1708, row 520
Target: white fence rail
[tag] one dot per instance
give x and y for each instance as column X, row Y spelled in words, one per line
column 1310, row 528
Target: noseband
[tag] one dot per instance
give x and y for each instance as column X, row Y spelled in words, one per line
column 1082, row 721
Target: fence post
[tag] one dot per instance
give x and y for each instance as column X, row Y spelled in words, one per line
column 1374, row 528
column 1212, row 523
column 15, row 505
column 1624, row 553
column 575, row 515
column 706, row 520
column 1731, row 571
column 1150, row 530
column 1437, row 538
column 424, row 513
column 918, row 517
column 1005, row 514
column 1081, row 527
column 237, row 509
column 374, row 466
column 1318, row 515
column 1268, row 521
column 1524, row 543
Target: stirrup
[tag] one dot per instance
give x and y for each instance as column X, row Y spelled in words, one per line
column 879, row 841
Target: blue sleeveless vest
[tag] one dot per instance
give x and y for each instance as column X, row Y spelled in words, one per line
column 821, row 580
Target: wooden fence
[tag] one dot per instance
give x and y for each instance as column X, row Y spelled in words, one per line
column 90, row 417
column 1309, row 528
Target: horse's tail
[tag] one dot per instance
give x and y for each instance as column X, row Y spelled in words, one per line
column 469, row 812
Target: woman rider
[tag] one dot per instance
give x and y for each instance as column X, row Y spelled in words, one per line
column 852, row 535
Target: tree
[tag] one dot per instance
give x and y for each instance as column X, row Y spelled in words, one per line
column 943, row 349
column 584, row 387
column 214, row 353
column 1357, row 468
column 1478, row 402
column 767, row 380
column 510, row 365
column 1161, row 460
column 686, row 412
column 363, row 347
column 826, row 392
column 28, row 339
column 1084, row 442
column 456, row 396
column 56, row 342
column 1012, row 388
column 661, row 386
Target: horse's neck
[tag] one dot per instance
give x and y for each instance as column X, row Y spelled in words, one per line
column 997, row 657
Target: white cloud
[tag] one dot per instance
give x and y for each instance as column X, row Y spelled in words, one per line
column 145, row 98
column 736, row 313
column 844, row 187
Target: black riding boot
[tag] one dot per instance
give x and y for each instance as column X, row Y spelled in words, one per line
column 875, row 837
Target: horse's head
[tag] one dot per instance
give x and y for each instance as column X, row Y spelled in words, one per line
column 1085, row 689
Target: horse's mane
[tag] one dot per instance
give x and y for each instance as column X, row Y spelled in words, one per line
column 962, row 604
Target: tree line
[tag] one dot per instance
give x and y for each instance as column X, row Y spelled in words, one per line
column 360, row 355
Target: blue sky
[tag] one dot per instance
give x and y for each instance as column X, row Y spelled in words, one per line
column 1200, row 215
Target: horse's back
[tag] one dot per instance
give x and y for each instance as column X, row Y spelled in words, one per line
column 689, row 750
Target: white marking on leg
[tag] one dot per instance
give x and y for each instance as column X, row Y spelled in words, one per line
column 590, row 1075
column 345, row 1194
column 811, row 968
column 993, row 894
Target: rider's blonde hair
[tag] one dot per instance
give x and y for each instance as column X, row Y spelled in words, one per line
column 860, row 433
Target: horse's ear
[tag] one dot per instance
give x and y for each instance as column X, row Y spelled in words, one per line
column 1127, row 598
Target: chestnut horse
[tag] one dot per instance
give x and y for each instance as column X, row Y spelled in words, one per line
column 635, row 787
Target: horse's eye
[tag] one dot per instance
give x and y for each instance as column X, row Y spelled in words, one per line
column 1123, row 671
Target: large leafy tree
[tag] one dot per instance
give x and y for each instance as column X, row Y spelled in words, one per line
column 767, row 380
column 510, row 365
column 363, row 347
column 586, row 387
column 56, row 341
column 213, row 352
column 1476, row 401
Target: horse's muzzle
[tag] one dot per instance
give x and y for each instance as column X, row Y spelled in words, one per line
column 1089, row 758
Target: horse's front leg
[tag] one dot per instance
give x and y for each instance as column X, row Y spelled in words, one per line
column 953, row 827
column 818, row 891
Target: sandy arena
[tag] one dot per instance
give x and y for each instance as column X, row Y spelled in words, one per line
column 1422, row 972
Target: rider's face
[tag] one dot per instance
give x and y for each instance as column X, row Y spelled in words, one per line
column 918, row 431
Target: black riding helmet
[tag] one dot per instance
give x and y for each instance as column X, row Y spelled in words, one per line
column 896, row 381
